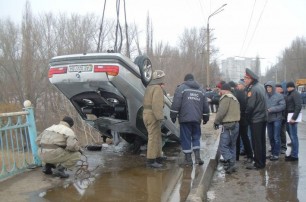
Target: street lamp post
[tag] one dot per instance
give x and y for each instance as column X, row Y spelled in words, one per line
column 207, row 38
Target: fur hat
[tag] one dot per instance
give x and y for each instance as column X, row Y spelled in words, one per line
column 68, row 120
column 290, row 84
column 226, row 86
column 189, row 77
column 158, row 77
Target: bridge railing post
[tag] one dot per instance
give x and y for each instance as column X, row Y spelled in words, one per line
column 32, row 130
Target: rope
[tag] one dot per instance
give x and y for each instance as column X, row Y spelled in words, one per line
column 82, row 173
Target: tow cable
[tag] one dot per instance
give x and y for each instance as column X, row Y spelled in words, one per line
column 82, row 174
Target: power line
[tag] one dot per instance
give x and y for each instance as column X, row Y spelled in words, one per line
column 256, row 27
column 248, row 27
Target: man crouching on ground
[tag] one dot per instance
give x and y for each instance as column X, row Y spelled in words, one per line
column 58, row 148
column 228, row 115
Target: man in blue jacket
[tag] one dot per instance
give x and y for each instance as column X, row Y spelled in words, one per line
column 275, row 106
column 190, row 105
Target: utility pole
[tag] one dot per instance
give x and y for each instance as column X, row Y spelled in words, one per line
column 208, row 48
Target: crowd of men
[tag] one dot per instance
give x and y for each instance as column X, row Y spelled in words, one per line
column 244, row 111
column 262, row 108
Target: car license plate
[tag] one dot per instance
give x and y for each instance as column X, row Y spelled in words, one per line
column 80, row 68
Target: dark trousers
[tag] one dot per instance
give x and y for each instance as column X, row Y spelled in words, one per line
column 258, row 131
column 238, row 146
column 190, row 135
column 283, row 135
column 212, row 107
column 243, row 131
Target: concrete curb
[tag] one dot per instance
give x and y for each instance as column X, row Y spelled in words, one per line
column 203, row 181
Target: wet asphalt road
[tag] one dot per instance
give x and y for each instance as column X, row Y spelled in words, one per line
column 121, row 176
column 279, row 181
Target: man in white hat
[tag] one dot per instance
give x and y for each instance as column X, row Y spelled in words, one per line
column 153, row 105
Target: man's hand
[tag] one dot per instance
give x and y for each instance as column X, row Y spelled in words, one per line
column 216, row 126
column 205, row 119
column 173, row 120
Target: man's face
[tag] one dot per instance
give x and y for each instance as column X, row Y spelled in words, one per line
column 279, row 90
column 222, row 92
column 240, row 86
column 269, row 89
column 289, row 89
column 248, row 80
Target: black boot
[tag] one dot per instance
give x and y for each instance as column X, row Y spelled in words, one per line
column 59, row 171
column 151, row 163
column 231, row 168
column 188, row 160
column 47, row 168
column 161, row 159
column 198, row 159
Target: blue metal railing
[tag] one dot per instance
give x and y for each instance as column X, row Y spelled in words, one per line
column 18, row 149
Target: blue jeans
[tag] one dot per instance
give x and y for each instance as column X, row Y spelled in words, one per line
column 274, row 129
column 190, row 134
column 227, row 145
column 292, row 130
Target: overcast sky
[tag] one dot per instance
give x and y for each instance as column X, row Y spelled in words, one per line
column 244, row 28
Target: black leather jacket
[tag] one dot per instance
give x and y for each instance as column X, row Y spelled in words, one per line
column 293, row 103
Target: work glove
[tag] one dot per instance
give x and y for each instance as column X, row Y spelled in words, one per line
column 205, row 119
column 173, row 120
column 216, row 126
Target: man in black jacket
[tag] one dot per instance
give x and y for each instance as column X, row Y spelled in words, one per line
column 293, row 109
column 256, row 115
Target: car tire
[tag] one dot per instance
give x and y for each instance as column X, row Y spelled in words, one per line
column 145, row 68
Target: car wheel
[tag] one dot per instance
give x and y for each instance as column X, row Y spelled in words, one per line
column 145, row 68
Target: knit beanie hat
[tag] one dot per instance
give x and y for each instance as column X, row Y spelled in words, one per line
column 232, row 84
column 68, row 120
column 226, row 86
column 189, row 77
column 290, row 84
column 278, row 85
column 219, row 85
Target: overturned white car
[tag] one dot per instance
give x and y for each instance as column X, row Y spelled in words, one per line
column 107, row 91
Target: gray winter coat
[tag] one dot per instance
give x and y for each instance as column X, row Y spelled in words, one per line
column 276, row 103
column 189, row 102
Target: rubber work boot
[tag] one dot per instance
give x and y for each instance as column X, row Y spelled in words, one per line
column 231, row 168
column 198, row 159
column 188, row 160
column 161, row 159
column 59, row 171
column 151, row 163
column 47, row 168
